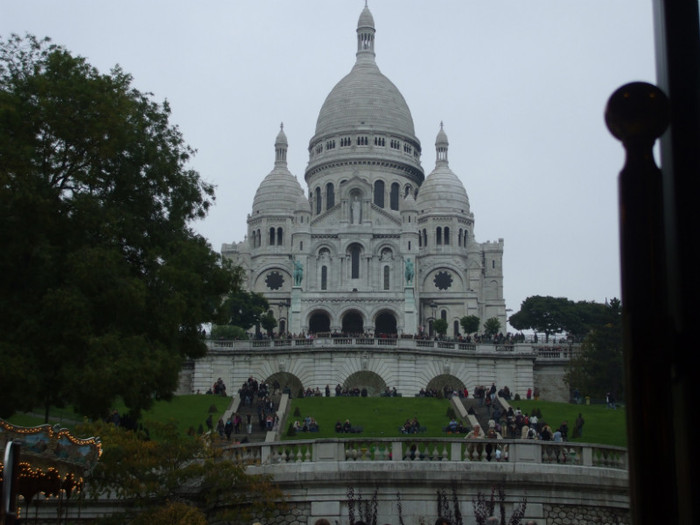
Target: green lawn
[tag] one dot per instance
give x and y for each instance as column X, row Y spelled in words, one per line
column 602, row 425
column 382, row 416
column 190, row 410
column 379, row 416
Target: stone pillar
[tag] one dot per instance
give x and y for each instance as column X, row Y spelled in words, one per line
column 410, row 323
column 294, row 321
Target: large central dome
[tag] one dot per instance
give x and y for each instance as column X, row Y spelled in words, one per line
column 365, row 99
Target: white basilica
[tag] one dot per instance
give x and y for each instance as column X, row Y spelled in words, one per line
column 376, row 247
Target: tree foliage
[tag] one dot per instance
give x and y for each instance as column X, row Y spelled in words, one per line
column 470, row 323
column 245, row 309
column 440, row 326
column 492, row 326
column 553, row 315
column 104, row 286
column 599, row 366
column 172, row 472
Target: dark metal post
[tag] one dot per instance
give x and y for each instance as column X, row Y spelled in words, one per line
column 8, row 511
column 637, row 114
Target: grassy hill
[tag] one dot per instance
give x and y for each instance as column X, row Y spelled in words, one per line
column 379, row 416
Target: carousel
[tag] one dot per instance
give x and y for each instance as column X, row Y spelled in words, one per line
column 42, row 462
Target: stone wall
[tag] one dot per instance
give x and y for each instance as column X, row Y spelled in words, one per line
column 579, row 515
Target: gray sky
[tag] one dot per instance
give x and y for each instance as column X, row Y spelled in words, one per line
column 520, row 85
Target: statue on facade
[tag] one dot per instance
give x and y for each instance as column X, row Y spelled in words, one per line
column 409, row 271
column 356, row 211
column 298, row 273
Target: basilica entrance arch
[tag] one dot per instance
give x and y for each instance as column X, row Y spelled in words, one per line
column 385, row 324
column 445, row 381
column 365, row 379
column 319, row 322
column 286, row 382
column 353, row 323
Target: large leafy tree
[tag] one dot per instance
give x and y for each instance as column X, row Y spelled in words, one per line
column 553, row 315
column 244, row 309
column 598, row 368
column 542, row 314
column 104, row 286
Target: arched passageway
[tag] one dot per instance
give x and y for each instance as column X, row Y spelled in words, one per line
column 286, row 382
column 365, row 380
column 445, row 383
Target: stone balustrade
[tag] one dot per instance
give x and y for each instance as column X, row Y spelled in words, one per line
column 547, row 351
column 403, row 449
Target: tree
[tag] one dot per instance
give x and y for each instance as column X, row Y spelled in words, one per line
column 470, row 324
column 553, row 315
column 599, row 366
column 542, row 314
column 170, row 471
column 492, row 326
column 245, row 309
column 104, row 286
column 440, row 326
column 268, row 322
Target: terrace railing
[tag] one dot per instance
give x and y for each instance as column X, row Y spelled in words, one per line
column 539, row 351
column 428, row 449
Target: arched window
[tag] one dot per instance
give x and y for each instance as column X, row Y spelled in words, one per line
column 379, row 193
column 447, row 235
column 459, row 239
column 443, row 315
column 355, row 261
column 272, row 236
column 466, row 236
column 438, row 236
column 425, row 237
column 324, row 278
column 280, row 236
column 455, row 331
column 330, row 196
column 394, row 196
column 258, row 239
column 318, row 201
column 409, row 245
column 386, row 277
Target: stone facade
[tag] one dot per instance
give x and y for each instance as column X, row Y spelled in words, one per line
column 374, row 247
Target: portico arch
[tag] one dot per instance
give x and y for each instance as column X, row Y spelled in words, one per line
column 365, row 379
column 353, row 322
column 319, row 322
column 385, row 325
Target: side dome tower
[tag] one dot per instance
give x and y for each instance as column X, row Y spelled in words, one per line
column 280, row 191
column 442, row 192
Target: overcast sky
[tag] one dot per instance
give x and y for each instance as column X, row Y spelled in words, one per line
column 521, row 87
